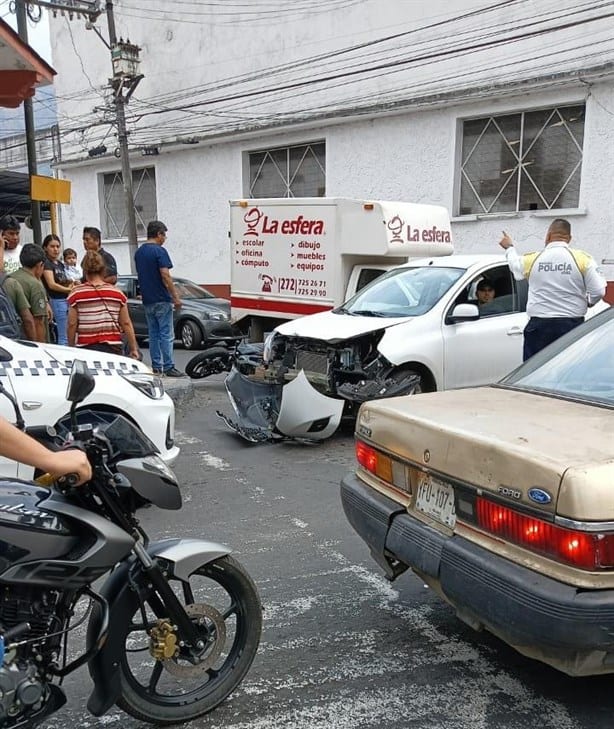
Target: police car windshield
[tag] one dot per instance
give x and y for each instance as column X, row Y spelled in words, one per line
column 579, row 365
column 403, row 292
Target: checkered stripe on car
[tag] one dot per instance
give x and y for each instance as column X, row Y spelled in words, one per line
column 38, row 367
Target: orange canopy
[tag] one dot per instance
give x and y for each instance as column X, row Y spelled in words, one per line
column 21, row 69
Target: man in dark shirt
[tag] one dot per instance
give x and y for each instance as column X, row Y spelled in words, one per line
column 158, row 294
column 92, row 241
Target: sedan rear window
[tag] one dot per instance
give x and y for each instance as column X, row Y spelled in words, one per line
column 403, row 292
column 579, row 365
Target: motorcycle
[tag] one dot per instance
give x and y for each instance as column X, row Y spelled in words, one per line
column 175, row 626
column 231, row 349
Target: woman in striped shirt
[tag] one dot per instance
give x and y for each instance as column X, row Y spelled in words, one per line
column 98, row 312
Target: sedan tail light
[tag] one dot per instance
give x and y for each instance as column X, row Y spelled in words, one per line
column 586, row 550
column 374, row 461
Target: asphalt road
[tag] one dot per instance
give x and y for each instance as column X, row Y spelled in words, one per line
column 341, row 648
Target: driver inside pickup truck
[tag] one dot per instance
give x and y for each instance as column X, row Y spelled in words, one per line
column 485, row 292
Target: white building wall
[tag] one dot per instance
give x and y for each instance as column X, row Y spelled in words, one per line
column 409, row 155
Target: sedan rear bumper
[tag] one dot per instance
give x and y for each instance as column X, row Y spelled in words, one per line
column 568, row 628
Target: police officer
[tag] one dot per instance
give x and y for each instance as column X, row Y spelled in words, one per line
column 563, row 282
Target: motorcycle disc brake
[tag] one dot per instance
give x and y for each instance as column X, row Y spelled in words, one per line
column 201, row 614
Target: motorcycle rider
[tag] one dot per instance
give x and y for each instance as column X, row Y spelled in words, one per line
column 18, row 446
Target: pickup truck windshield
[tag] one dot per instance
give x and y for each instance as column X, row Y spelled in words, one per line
column 579, row 365
column 403, row 292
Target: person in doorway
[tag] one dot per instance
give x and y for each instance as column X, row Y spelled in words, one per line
column 485, row 292
column 92, row 241
column 98, row 312
column 563, row 282
column 158, row 294
column 9, row 233
column 57, row 284
column 32, row 259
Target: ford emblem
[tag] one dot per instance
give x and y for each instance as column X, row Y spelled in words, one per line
column 539, row 496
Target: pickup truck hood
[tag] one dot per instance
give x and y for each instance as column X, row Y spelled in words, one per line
column 494, row 438
column 329, row 327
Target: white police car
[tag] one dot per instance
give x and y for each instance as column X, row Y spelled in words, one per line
column 37, row 376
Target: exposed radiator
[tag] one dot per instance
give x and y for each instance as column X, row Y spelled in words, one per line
column 312, row 362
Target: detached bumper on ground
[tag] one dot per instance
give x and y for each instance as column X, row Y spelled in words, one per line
column 570, row 629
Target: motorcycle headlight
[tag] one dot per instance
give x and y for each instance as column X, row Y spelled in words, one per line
column 149, row 385
column 268, row 347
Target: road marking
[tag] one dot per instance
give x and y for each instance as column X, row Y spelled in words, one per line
column 214, row 461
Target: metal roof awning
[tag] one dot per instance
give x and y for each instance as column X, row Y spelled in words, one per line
column 21, row 69
column 15, row 195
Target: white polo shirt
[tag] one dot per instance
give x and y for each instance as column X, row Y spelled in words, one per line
column 562, row 280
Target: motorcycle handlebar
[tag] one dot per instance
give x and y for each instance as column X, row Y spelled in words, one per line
column 64, row 482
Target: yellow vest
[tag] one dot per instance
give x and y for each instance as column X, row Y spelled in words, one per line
column 581, row 258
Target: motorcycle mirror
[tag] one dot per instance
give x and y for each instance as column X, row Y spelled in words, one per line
column 19, row 421
column 80, row 383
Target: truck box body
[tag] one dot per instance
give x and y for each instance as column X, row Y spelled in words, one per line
column 296, row 256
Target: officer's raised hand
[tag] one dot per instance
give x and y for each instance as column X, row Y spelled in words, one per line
column 506, row 241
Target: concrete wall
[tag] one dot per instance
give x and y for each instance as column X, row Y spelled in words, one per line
column 408, row 154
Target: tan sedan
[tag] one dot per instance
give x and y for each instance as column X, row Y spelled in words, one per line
column 501, row 498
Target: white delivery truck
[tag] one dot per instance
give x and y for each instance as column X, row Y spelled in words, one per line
column 296, row 256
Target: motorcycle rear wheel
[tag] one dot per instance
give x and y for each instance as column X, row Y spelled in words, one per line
column 210, row 361
column 223, row 600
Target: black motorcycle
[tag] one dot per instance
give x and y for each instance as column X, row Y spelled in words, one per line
column 175, row 626
column 230, row 349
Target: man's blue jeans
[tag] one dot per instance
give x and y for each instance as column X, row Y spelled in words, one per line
column 161, row 335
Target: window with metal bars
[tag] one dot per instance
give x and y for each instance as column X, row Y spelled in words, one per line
column 530, row 160
column 298, row 171
column 114, row 222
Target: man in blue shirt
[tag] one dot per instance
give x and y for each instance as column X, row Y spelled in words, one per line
column 158, row 294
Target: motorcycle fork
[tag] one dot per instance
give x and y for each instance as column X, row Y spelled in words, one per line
column 185, row 627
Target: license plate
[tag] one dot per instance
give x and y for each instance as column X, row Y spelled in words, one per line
column 436, row 499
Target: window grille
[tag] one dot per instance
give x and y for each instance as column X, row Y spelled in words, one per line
column 115, row 223
column 526, row 161
column 298, row 171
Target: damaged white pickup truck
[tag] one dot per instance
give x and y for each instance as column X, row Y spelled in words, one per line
column 420, row 327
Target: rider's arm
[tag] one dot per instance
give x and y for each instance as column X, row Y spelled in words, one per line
column 18, row 446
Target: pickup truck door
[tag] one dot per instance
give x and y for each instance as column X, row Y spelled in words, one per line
column 482, row 351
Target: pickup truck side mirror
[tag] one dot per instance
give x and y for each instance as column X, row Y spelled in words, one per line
column 463, row 312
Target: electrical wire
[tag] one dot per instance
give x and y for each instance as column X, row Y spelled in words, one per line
column 352, row 72
column 311, row 81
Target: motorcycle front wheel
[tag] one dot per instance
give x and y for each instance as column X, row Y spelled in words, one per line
column 210, row 361
column 223, row 602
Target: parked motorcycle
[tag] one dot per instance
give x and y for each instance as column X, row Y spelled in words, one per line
column 230, row 349
column 174, row 628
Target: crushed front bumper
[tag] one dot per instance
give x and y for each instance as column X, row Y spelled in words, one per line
column 568, row 628
column 267, row 412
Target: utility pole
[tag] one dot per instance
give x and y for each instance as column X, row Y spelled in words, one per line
column 124, row 59
column 125, row 64
column 22, row 29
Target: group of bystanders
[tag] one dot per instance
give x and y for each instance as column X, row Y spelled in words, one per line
column 59, row 300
